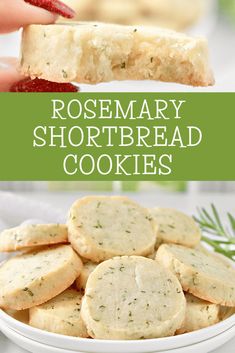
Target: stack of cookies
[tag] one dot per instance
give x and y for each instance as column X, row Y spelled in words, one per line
column 115, row 271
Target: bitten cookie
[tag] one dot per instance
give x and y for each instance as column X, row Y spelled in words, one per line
column 102, row 227
column 87, row 269
column 97, row 52
column 176, row 227
column 199, row 314
column 60, row 315
column 130, row 298
column 36, row 277
column 29, row 236
column 201, row 275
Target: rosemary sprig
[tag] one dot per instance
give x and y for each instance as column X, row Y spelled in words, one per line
column 220, row 237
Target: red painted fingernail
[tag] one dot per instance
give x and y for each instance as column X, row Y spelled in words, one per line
column 39, row 85
column 54, row 6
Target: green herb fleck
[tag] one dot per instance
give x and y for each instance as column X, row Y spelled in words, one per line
column 26, row 289
column 65, row 75
column 102, row 307
column 98, row 225
column 70, row 323
column 149, row 218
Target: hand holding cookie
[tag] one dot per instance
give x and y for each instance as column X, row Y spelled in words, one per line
column 19, row 13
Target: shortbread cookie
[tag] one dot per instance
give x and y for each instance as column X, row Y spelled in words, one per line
column 176, row 227
column 219, row 257
column 168, row 13
column 199, row 314
column 33, row 235
column 200, row 274
column 60, row 315
column 101, row 227
column 130, row 298
column 97, row 52
column 87, row 269
column 36, row 277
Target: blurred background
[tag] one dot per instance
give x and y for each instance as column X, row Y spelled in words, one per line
column 145, row 187
column 42, row 202
column 214, row 19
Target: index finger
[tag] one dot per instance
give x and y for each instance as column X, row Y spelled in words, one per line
column 16, row 13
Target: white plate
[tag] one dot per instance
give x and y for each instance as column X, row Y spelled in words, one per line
column 107, row 346
column 202, row 347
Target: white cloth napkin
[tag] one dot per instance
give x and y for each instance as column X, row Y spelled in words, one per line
column 15, row 210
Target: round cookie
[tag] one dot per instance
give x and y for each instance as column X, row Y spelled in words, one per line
column 60, row 315
column 199, row 314
column 129, row 298
column 176, row 227
column 219, row 257
column 87, row 269
column 36, row 277
column 200, row 274
column 102, row 227
column 33, row 235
